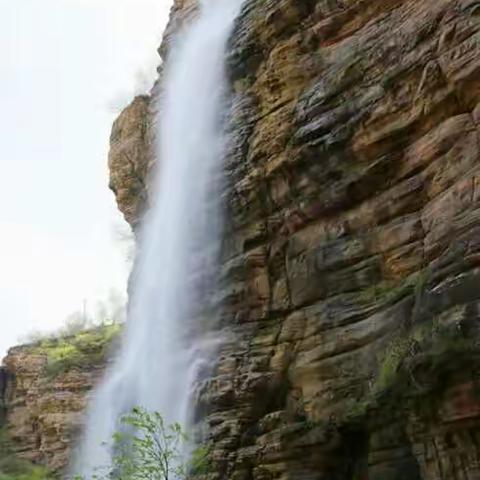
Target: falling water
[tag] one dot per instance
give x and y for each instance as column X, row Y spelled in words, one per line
column 163, row 349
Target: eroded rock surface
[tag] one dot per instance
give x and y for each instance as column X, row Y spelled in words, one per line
column 351, row 267
column 44, row 391
column 130, row 158
column 132, row 141
column 351, row 263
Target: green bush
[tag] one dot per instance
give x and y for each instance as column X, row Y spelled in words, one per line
column 77, row 351
column 34, row 473
column 147, row 448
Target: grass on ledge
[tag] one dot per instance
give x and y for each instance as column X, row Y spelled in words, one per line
column 77, row 351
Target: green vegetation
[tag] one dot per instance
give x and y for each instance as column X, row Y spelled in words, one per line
column 425, row 347
column 14, row 468
column 414, row 361
column 84, row 338
column 389, row 291
column 148, row 449
column 78, row 350
column 24, row 471
column 110, row 311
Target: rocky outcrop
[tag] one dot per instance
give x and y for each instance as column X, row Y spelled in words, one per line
column 4, row 384
column 351, row 262
column 132, row 141
column 130, row 158
column 44, row 390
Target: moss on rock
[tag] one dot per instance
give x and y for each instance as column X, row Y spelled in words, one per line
column 77, row 351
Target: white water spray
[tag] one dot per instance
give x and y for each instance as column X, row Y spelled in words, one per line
column 163, row 348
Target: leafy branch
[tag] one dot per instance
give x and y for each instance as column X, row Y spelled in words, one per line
column 146, row 448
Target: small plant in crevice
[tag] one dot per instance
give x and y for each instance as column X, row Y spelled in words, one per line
column 414, row 363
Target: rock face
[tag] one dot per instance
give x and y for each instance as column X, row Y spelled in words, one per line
column 129, row 159
column 44, row 392
column 351, row 265
column 132, row 141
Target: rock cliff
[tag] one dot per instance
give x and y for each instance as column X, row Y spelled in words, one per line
column 351, row 260
column 351, row 263
column 44, row 392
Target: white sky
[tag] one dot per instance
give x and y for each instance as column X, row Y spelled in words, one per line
column 62, row 64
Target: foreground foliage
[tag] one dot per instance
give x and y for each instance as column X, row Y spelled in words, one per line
column 148, row 449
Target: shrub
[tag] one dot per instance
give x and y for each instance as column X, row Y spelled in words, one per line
column 77, row 351
column 147, row 448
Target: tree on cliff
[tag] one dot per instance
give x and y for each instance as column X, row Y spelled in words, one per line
column 148, row 449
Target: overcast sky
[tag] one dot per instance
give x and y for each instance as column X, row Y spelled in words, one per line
column 63, row 64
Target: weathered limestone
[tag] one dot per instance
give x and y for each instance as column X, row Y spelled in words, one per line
column 351, row 265
column 130, row 157
column 351, row 254
column 45, row 408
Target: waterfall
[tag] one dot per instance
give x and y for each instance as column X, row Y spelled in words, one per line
column 164, row 349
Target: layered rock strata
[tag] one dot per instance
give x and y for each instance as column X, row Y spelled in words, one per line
column 44, row 391
column 351, row 280
column 351, row 271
